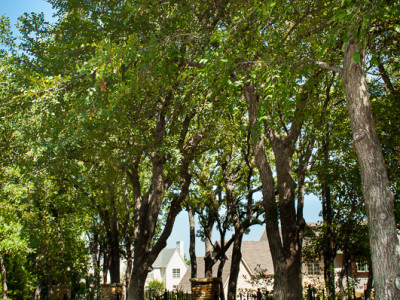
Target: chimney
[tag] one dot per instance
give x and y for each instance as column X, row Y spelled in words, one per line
column 179, row 246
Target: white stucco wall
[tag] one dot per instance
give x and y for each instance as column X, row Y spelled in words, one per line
column 177, row 262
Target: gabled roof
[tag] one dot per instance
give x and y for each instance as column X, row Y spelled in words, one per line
column 255, row 254
column 163, row 258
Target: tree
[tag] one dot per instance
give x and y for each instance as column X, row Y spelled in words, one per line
column 156, row 286
column 378, row 196
column 349, row 26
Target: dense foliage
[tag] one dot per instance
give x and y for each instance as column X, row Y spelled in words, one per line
column 122, row 112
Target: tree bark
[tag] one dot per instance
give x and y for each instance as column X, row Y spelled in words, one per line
column 327, row 216
column 95, row 255
column 138, row 280
column 192, row 246
column 235, row 264
column 115, row 272
column 106, row 263
column 367, row 292
column 3, row 273
column 209, row 249
column 128, row 271
column 385, row 78
column 219, row 275
column 379, row 199
column 127, row 237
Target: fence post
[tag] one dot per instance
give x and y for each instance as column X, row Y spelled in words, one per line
column 310, row 295
column 165, row 295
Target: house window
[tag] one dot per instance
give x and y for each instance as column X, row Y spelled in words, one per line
column 362, row 267
column 313, row 268
column 176, row 273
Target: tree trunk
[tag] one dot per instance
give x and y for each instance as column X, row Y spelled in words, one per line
column 209, row 249
column 95, row 255
column 192, row 246
column 219, row 275
column 3, row 273
column 285, row 249
column 138, row 280
column 115, row 272
column 147, row 207
column 208, row 259
column 50, row 292
column 379, row 199
column 127, row 239
column 368, row 290
column 328, row 248
column 235, row 264
column 146, row 212
column 128, row 273
column 106, row 265
column 129, row 257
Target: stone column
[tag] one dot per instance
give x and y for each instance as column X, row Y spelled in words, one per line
column 61, row 292
column 206, row 288
column 111, row 291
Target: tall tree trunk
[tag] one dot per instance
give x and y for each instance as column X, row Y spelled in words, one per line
column 208, row 258
column 94, row 247
column 285, row 249
column 147, row 207
column 235, row 263
column 328, row 249
column 379, row 199
column 192, row 246
column 113, row 239
column 127, row 238
column 3, row 273
column 146, row 212
column 129, row 258
column 106, row 264
column 50, row 292
column 368, row 290
column 128, row 272
column 219, row 275
column 138, row 280
column 115, row 274
column 209, row 249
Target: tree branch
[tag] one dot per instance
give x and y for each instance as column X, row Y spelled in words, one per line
column 327, row 66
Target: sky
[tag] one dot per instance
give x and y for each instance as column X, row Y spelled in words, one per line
column 15, row 8
column 312, row 206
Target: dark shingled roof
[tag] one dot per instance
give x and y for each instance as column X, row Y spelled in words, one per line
column 255, row 255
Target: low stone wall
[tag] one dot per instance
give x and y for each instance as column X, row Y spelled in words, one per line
column 111, row 291
column 206, row 288
column 61, row 292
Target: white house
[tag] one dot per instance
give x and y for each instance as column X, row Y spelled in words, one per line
column 169, row 267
